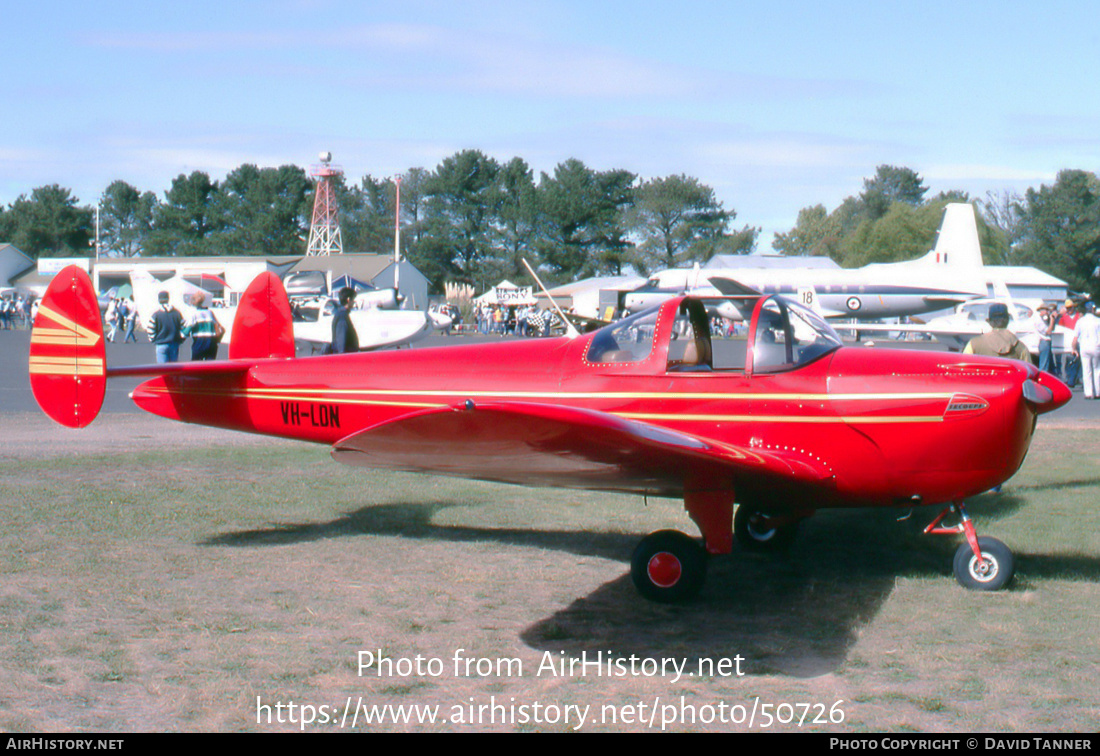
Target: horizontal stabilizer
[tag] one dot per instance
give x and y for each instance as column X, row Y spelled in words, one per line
column 544, row 444
column 202, row 367
column 944, row 301
column 732, row 288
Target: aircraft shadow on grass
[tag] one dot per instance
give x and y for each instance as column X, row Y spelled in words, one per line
column 1084, row 483
column 795, row 614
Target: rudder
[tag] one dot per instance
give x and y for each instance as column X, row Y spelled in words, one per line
column 957, row 243
column 68, row 356
column 264, row 325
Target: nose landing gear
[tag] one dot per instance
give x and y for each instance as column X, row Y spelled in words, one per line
column 980, row 564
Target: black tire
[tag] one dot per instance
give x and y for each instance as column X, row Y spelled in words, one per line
column 753, row 533
column 668, row 566
column 995, row 574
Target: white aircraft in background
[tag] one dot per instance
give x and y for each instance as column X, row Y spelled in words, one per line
column 969, row 320
column 376, row 327
column 950, row 273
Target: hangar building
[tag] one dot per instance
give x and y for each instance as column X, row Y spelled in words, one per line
column 376, row 270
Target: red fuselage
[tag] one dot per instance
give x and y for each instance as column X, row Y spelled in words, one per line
column 894, row 427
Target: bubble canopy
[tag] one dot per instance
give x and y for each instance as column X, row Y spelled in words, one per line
column 782, row 336
column 785, row 336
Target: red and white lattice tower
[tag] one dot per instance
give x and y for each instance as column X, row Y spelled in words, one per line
column 324, row 229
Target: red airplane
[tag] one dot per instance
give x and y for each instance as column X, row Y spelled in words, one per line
column 784, row 423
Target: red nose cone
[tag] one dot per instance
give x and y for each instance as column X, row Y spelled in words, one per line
column 1060, row 391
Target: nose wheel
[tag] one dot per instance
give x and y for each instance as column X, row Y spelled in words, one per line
column 981, row 563
column 668, row 566
column 990, row 572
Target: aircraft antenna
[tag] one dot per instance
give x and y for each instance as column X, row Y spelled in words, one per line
column 324, row 228
column 570, row 331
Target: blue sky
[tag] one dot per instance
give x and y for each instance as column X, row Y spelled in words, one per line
column 776, row 105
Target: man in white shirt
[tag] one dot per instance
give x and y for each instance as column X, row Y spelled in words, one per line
column 1086, row 342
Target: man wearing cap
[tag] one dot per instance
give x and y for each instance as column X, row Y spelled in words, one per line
column 1000, row 342
column 167, row 330
column 1086, row 343
column 1043, row 323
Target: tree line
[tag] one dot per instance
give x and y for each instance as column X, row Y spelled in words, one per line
column 1054, row 228
column 474, row 219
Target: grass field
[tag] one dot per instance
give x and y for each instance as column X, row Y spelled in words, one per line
column 154, row 585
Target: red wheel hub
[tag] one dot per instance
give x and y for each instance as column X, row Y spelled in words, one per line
column 664, row 569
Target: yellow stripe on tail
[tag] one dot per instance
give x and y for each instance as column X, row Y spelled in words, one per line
column 68, row 358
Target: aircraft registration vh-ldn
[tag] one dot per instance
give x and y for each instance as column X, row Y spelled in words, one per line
column 754, row 435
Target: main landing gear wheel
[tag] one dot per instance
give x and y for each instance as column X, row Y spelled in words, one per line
column 755, row 532
column 991, row 573
column 668, row 566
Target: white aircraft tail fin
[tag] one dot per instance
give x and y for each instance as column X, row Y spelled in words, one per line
column 958, row 252
column 141, row 277
column 957, row 244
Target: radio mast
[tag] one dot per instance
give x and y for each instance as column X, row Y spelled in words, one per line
column 324, row 229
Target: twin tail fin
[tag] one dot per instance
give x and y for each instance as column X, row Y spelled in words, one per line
column 68, row 358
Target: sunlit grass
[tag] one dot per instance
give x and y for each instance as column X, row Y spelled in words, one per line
column 173, row 586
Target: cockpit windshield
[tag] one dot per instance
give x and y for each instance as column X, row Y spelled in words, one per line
column 629, row 340
column 788, row 336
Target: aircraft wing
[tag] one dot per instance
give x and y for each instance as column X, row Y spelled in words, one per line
column 745, row 297
column 943, row 301
column 923, row 328
column 545, row 444
column 585, row 324
column 732, row 288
